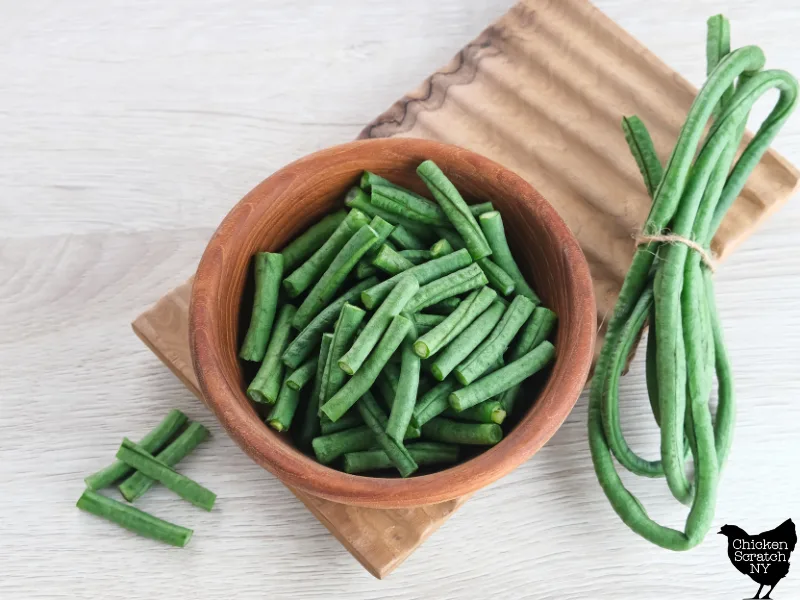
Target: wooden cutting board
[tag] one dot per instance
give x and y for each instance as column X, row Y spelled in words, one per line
column 542, row 91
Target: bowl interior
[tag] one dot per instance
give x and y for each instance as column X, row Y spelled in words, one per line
column 286, row 204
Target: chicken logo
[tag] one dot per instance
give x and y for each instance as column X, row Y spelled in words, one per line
column 763, row 557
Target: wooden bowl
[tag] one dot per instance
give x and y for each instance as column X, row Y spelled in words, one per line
column 295, row 197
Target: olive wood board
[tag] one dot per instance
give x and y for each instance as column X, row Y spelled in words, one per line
column 541, row 91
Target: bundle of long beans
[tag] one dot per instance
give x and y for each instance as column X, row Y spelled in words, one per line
column 669, row 287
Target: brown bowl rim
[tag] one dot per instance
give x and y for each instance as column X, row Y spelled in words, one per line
column 223, row 392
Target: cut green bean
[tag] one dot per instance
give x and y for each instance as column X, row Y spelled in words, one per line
column 388, row 383
column 282, row 414
column 445, row 332
column 343, row 337
column 441, row 248
column 434, row 402
column 417, row 257
column 425, row 322
column 322, row 292
column 536, row 330
column 377, row 422
column 365, row 269
column 311, row 423
column 391, row 261
column 268, row 273
column 504, row 378
column 406, row 203
column 465, row 342
column 490, row 411
column 328, row 448
column 467, row 434
column 424, row 274
column 308, row 339
column 478, row 209
column 492, row 226
column 391, row 307
column 451, row 237
column 465, row 280
column 303, row 374
column 446, row 307
column 267, row 383
column 455, row 208
column 496, row 344
column 497, row 277
column 135, row 486
column 423, row 453
column 349, row 421
column 152, row 442
column 369, row 179
column 133, row 519
column 365, row 377
column 311, row 270
column 406, row 395
column 304, row 246
column 407, row 240
column 357, row 199
column 144, row 462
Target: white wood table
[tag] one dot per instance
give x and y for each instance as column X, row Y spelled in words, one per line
column 128, row 129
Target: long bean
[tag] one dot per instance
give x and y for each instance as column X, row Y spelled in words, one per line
column 309, row 338
column 465, row 280
column 406, row 396
column 465, row 342
column 322, row 292
column 423, row 453
column 377, row 422
column 369, row 179
column 268, row 273
column 495, row 345
column 442, row 334
column 311, row 240
column 391, row 307
column 492, row 226
column 424, row 274
column 696, row 190
column 311, row 424
column 504, row 378
column 144, row 462
column 363, row 379
column 267, row 383
column 133, row 519
column 453, row 432
column 455, row 208
column 136, row 485
column 310, row 271
column 152, row 442
column 478, row 209
column 641, row 146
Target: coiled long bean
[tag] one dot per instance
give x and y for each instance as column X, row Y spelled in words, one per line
column 670, row 285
